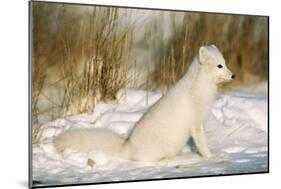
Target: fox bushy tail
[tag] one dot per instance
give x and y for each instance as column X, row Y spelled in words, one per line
column 93, row 140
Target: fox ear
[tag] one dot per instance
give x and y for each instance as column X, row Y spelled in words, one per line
column 203, row 54
column 214, row 46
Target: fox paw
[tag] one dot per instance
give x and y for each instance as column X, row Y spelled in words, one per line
column 217, row 159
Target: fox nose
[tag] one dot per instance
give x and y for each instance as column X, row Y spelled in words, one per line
column 233, row 76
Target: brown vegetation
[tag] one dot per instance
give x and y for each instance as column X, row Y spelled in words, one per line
column 73, row 61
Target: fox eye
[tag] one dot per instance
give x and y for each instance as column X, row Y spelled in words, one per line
column 219, row 66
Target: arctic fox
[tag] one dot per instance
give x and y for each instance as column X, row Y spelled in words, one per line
column 164, row 129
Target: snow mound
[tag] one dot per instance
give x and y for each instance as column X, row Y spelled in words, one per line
column 236, row 131
column 242, row 109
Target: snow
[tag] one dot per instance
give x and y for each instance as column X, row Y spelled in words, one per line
column 236, row 131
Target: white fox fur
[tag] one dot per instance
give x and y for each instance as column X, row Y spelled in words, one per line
column 165, row 128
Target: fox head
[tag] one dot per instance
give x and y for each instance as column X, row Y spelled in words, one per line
column 213, row 63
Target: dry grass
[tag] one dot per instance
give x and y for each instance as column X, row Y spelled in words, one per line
column 74, row 64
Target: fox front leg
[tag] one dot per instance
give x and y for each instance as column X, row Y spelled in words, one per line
column 199, row 138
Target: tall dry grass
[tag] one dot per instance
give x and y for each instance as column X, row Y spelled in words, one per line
column 80, row 56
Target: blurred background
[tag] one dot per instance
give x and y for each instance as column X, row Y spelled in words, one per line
column 82, row 55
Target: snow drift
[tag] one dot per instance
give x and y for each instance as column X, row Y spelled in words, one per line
column 236, row 130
